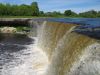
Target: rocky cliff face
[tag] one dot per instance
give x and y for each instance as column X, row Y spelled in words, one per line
column 69, row 53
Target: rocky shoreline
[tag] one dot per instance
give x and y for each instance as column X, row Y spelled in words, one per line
column 8, row 30
column 14, row 30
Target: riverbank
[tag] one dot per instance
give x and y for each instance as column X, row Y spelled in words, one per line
column 67, row 51
column 33, row 17
column 15, row 30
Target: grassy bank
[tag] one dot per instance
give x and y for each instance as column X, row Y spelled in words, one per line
column 38, row 17
column 18, row 17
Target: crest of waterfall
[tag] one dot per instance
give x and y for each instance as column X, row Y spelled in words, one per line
column 49, row 34
column 69, row 53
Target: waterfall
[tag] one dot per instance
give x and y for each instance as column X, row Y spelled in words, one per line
column 49, row 34
column 30, row 61
column 55, row 48
column 19, row 54
column 67, row 50
column 89, row 61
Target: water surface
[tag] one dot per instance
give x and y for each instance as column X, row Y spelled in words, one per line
column 20, row 56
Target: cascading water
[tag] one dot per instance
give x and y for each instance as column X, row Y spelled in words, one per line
column 21, row 56
column 68, row 52
column 89, row 61
column 49, row 34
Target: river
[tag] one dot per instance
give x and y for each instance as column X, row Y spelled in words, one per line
column 19, row 56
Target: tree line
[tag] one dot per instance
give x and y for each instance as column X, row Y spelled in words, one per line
column 33, row 10
column 69, row 13
column 19, row 10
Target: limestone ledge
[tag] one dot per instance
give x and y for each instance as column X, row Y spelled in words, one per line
column 8, row 30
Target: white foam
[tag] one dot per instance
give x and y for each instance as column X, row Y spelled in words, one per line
column 31, row 61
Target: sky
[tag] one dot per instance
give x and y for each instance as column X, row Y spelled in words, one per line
column 61, row 5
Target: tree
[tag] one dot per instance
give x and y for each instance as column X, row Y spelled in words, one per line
column 53, row 14
column 98, row 14
column 69, row 13
column 88, row 14
column 8, row 9
column 19, row 10
column 35, row 9
column 41, row 13
column 3, row 9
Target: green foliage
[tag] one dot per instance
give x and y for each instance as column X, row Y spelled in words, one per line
column 19, row 10
column 69, row 13
column 33, row 10
column 98, row 14
column 22, row 28
column 53, row 14
column 41, row 13
column 87, row 14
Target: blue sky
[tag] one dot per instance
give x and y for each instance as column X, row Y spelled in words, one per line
column 61, row 5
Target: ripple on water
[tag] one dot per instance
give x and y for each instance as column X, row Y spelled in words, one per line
column 27, row 61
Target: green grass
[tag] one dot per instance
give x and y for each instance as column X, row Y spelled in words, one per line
column 39, row 17
column 18, row 17
column 22, row 28
column 25, row 17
